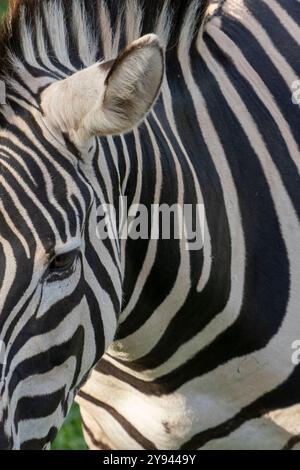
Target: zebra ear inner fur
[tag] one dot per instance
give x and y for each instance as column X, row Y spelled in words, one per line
column 108, row 98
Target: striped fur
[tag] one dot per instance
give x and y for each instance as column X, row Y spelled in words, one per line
column 196, row 346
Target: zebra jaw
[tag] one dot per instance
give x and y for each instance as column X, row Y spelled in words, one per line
column 109, row 97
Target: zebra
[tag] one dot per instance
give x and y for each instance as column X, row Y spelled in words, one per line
column 165, row 102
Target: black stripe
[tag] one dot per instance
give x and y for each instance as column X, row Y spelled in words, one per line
column 280, row 36
column 285, row 395
column 35, row 407
column 260, row 61
column 292, row 442
column 96, row 442
column 126, row 425
column 291, row 8
column 39, row 444
column 267, row 126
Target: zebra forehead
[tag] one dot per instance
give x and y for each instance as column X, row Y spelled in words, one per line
column 29, row 172
column 33, row 194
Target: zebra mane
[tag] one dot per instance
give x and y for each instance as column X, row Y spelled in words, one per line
column 71, row 34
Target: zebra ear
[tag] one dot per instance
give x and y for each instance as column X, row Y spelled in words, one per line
column 108, row 98
column 132, row 84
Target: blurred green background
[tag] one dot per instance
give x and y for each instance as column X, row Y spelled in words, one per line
column 70, row 436
column 3, row 4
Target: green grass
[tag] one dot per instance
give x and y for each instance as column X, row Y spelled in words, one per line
column 3, row 5
column 70, row 436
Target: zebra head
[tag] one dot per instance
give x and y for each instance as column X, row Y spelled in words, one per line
column 60, row 284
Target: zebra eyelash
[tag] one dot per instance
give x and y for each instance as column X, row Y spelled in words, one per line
column 60, row 268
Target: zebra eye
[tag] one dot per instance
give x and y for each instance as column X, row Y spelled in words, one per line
column 63, row 262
